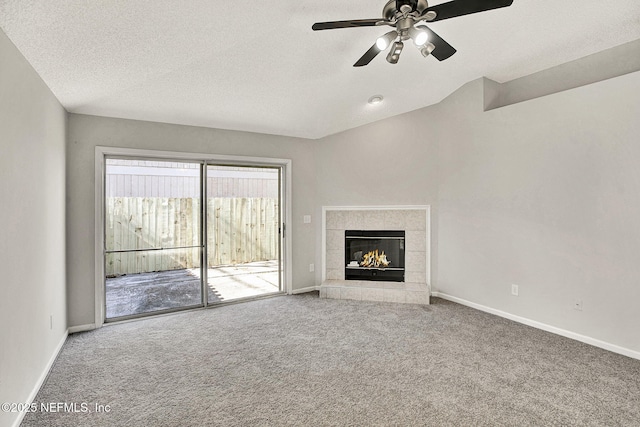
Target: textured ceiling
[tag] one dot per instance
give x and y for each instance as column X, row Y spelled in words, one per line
column 258, row 66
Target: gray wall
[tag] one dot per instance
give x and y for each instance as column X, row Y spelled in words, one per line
column 544, row 194
column 32, row 190
column 86, row 132
column 391, row 162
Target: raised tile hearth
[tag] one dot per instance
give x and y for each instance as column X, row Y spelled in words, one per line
column 406, row 293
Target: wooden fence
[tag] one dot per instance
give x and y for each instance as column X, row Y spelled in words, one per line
column 239, row 230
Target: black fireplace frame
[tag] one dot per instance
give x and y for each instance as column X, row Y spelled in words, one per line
column 386, row 240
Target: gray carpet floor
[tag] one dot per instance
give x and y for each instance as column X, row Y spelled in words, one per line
column 305, row 361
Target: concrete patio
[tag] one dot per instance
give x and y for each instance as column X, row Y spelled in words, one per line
column 134, row 294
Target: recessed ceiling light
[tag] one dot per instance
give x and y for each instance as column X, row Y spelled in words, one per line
column 375, row 99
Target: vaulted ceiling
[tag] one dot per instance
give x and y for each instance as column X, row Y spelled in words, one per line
column 258, row 66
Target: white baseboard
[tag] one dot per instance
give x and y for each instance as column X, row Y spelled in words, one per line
column 41, row 379
column 82, row 328
column 554, row 330
column 305, row 290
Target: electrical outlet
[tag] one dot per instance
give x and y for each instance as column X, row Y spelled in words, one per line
column 577, row 304
column 312, row 268
column 306, row 219
column 514, row 290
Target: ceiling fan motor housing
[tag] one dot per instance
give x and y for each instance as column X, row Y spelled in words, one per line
column 392, row 7
column 406, row 5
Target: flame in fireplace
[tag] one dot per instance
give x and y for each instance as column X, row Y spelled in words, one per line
column 375, row 259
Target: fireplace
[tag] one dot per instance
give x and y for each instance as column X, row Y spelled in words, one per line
column 374, row 255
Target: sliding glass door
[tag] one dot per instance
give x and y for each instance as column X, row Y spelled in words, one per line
column 243, row 240
column 163, row 218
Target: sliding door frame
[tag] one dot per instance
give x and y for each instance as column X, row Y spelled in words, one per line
column 101, row 153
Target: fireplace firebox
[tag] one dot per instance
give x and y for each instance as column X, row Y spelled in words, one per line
column 374, row 255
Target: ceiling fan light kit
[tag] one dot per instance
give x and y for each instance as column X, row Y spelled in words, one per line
column 426, row 50
column 404, row 15
column 383, row 42
column 394, row 53
column 419, row 37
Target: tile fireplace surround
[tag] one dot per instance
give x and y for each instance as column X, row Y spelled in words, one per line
column 414, row 220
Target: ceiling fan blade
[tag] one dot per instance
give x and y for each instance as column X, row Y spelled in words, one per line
column 464, row 7
column 443, row 49
column 375, row 50
column 368, row 56
column 348, row 24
